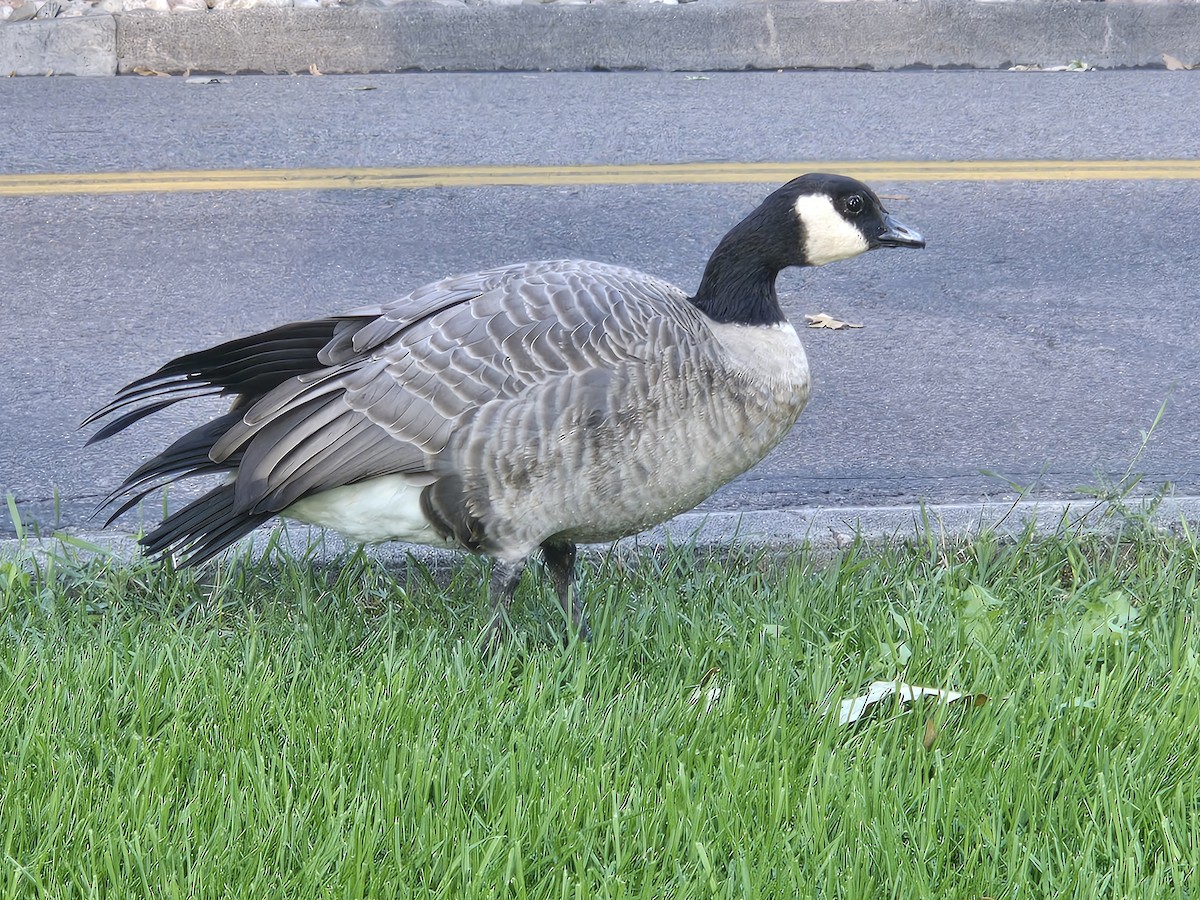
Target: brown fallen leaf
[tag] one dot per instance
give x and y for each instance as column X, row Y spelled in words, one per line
column 142, row 70
column 1174, row 64
column 313, row 70
column 931, row 734
column 824, row 320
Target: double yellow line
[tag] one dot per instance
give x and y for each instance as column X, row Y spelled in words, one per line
column 669, row 173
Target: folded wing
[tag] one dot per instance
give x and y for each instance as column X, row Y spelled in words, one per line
column 381, row 391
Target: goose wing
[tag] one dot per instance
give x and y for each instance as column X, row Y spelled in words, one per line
column 394, row 382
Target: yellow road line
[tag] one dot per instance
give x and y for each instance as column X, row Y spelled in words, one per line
column 670, row 173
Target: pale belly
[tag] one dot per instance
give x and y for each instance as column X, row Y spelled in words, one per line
column 381, row 509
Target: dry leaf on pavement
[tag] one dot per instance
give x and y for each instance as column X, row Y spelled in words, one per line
column 824, row 320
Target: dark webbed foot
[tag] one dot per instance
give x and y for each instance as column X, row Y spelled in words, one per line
column 560, row 563
column 505, row 578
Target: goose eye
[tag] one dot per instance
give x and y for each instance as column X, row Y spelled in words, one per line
column 854, row 204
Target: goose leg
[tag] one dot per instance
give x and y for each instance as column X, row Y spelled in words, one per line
column 560, row 562
column 505, row 578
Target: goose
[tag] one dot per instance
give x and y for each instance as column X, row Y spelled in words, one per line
column 516, row 410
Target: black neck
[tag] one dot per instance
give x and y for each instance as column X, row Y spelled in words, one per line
column 739, row 281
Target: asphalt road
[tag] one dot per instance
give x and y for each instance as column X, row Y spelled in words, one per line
column 1037, row 337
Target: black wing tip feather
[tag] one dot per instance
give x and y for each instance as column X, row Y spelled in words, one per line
column 123, row 421
column 247, row 367
column 186, row 458
column 202, row 529
column 251, row 365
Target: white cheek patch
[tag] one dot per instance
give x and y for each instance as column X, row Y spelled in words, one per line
column 828, row 237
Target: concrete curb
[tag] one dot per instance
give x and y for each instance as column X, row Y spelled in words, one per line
column 81, row 46
column 712, row 35
column 824, row 530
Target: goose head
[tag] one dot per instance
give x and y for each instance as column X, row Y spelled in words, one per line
column 838, row 217
column 811, row 221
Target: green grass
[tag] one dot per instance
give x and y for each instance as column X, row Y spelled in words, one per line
column 275, row 730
